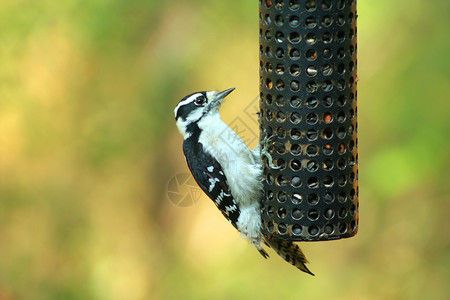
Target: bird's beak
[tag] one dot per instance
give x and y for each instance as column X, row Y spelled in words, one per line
column 221, row 95
column 218, row 99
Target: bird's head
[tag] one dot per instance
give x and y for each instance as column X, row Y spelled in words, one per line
column 195, row 106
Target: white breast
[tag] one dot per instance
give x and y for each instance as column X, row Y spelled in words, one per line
column 242, row 171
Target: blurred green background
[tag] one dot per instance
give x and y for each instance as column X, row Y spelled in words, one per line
column 88, row 145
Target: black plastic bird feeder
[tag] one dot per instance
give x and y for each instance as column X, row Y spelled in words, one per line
column 308, row 101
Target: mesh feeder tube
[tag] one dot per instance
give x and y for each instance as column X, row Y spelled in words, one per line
column 308, row 105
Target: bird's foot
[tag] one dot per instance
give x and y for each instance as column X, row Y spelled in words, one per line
column 268, row 143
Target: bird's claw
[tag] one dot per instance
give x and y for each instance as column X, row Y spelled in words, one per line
column 267, row 143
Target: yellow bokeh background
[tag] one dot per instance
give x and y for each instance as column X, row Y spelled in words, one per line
column 88, row 146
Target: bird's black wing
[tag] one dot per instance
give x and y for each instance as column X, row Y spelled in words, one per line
column 210, row 177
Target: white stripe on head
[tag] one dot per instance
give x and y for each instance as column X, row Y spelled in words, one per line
column 194, row 115
column 186, row 101
column 181, row 124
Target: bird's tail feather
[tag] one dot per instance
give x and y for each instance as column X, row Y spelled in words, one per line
column 263, row 253
column 290, row 252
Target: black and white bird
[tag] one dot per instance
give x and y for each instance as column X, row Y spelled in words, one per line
column 228, row 171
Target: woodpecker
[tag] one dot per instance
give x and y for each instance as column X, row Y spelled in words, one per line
column 228, row 171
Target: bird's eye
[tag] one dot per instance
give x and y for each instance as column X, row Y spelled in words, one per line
column 200, row 101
